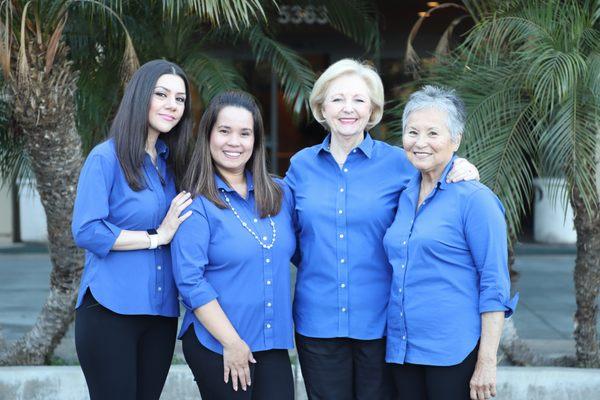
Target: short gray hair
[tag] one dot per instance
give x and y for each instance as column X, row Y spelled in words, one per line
column 442, row 99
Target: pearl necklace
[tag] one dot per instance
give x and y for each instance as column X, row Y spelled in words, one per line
column 245, row 225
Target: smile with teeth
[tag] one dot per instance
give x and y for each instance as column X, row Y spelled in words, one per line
column 348, row 121
column 232, row 154
column 421, row 154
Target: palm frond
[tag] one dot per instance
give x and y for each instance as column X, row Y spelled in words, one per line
column 235, row 13
column 212, row 75
column 357, row 19
column 294, row 72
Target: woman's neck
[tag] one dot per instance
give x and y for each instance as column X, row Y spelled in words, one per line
column 340, row 146
column 237, row 181
column 151, row 145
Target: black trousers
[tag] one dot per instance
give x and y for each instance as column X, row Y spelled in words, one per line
column 344, row 368
column 123, row 357
column 271, row 376
column 426, row 382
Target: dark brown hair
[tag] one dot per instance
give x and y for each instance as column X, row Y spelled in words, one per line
column 199, row 178
column 129, row 129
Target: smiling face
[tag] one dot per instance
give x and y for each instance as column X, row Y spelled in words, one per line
column 232, row 140
column 347, row 105
column 167, row 104
column 427, row 141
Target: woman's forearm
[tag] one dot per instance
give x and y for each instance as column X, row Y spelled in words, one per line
column 491, row 330
column 132, row 240
column 212, row 316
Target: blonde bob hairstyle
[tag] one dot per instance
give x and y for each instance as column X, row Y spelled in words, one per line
column 348, row 66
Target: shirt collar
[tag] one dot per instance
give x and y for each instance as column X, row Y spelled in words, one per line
column 415, row 181
column 162, row 149
column 442, row 181
column 366, row 146
column 221, row 184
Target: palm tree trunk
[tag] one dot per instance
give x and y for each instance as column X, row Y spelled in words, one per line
column 44, row 108
column 587, row 282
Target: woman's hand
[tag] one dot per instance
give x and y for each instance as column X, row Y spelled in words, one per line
column 173, row 219
column 462, row 170
column 236, row 357
column 483, row 381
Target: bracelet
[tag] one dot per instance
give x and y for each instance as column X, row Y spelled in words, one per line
column 153, row 235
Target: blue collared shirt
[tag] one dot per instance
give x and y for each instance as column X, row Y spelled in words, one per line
column 126, row 282
column 343, row 280
column 450, row 265
column 215, row 257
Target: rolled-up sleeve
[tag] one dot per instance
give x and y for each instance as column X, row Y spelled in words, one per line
column 90, row 227
column 485, row 232
column 189, row 252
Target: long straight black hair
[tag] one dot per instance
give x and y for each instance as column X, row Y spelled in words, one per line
column 200, row 176
column 129, row 129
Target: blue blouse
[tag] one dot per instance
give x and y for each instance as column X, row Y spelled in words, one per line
column 215, row 257
column 126, row 282
column 344, row 277
column 450, row 265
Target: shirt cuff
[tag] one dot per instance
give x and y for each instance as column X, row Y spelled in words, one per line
column 498, row 302
column 201, row 295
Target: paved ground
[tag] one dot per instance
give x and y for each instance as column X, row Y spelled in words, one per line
column 544, row 316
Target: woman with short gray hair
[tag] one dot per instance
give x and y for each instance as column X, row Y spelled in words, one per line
column 447, row 246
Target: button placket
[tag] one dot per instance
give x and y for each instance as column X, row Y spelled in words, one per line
column 342, row 254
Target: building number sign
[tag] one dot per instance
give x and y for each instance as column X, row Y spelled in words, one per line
column 295, row 14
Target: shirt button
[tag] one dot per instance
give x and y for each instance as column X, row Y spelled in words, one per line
column 268, row 326
column 343, row 309
column 158, row 267
column 340, row 212
column 401, row 314
column 343, row 285
column 343, row 260
column 345, row 169
column 268, row 282
column 403, row 266
column 268, row 260
column 423, row 202
column 400, row 290
column 264, row 238
column 341, row 235
column 255, row 220
column 341, row 189
column 354, row 151
column 403, row 337
column 404, row 243
column 159, row 288
column 269, row 304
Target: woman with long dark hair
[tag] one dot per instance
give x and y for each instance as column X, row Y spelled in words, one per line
column 231, row 259
column 126, row 213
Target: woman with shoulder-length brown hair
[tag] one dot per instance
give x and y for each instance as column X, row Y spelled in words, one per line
column 231, row 259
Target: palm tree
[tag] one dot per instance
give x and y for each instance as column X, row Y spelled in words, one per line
column 530, row 75
column 41, row 84
column 59, row 76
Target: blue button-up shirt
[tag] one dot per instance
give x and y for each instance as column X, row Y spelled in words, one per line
column 450, row 265
column 344, row 277
column 215, row 257
column 126, row 282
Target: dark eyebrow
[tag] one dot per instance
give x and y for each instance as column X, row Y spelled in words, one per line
column 164, row 88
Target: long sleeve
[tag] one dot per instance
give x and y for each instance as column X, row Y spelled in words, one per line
column 485, row 232
column 90, row 227
column 189, row 252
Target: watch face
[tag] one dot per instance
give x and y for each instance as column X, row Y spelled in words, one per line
column 152, row 232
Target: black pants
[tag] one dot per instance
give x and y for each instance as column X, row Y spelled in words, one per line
column 344, row 368
column 271, row 376
column 426, row 382
column 123, row 357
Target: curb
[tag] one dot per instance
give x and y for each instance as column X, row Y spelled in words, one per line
column 514, row 383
